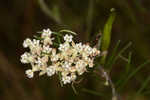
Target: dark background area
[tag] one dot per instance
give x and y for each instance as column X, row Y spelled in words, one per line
column 20, row 19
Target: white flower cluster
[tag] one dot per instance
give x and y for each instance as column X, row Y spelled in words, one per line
column 69, row 59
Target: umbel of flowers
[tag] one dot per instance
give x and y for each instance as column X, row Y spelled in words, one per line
column 69, row 59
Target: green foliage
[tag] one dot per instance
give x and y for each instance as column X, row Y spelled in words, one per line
column 126, row 71
column 144, row 85
column 132, row 74
column 114, row 57
column 111, row 59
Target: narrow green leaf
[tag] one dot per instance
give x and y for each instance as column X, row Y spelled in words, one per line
column 38, row 38
column 58, row 39
column 125, row 48
column 67, row 31
column 106, row 36
column 56, row 33
column 123, row 58
column 132, row 74
column 123, row 77
column 119, row 53
column 145, row 83
column 129, row 63
column 111, row 58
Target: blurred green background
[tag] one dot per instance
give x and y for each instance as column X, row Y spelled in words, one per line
column 20, row 19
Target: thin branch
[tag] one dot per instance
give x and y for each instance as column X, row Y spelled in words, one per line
column 108, row 79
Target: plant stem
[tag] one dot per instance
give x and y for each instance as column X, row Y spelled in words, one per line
column 108, row 79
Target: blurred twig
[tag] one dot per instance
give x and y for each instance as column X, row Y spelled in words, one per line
column 48, row 12
column 89, row 18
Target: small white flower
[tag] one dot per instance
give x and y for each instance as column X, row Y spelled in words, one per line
column 46, row 33
column 50, row 70
column 66, row 79
column 54, row 56
column 66, row 65
column 27, row 43
column 68, row 38
column 79, row 47
column 35, row 47
column 48, row 40
column 47, row 49
column 81, row 67
column 39, row 62
column 26, row 58
column 45, row 59
column 64, row 47
column 88, row 49
column 36, row 42
column 90, row 62
column 95, row 52
column 73, row 76
column 29, row 73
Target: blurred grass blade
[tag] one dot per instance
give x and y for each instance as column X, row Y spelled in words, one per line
column 123, row 77
column 106, row 35
column 111, row 58
column 145, row 83
column 67, row 31
column 38, row 38
column 48, row 11
column 92, row 92
column 125, row 48
column 56, row 13
column 129, row 63
column 120, row 52
column 56, row 33
column 89, row 18
column 132, row 74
